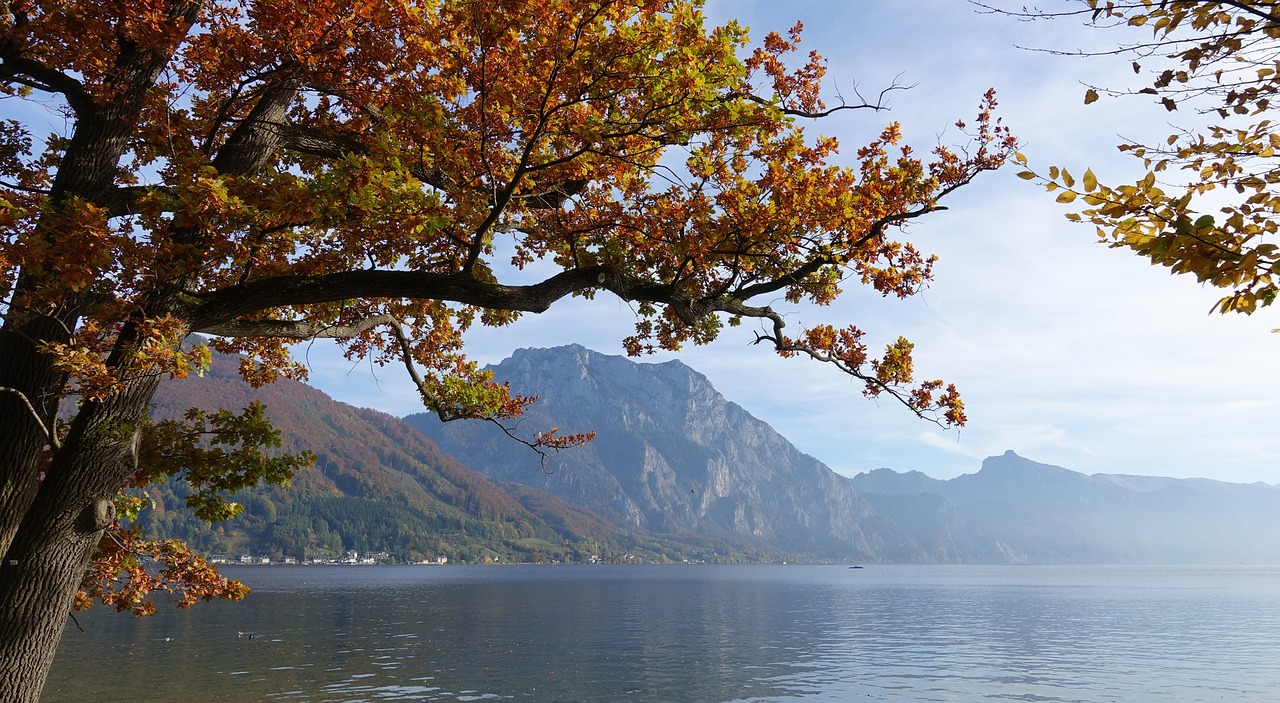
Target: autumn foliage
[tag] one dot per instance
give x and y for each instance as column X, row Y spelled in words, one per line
column 120, row 575
column 1207, row 204
column 266, row 172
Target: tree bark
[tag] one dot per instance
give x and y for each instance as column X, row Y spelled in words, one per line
column 27, row 372
column 37, row 585
column 52, row 546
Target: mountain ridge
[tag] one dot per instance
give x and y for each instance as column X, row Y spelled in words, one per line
column 671, row 454
column 678, row 472
column 1045, row 513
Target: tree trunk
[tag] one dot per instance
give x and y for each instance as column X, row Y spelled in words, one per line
column 50, row 524
column 37, row 314
column 47, row 557
column 37, row 586
column 31, row 402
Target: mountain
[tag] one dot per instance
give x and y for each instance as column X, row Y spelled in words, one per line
column 676, row 472
column 377, row 486
column 1018, row 510
column 671, row 456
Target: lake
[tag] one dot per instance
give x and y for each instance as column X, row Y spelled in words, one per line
column 715, row 634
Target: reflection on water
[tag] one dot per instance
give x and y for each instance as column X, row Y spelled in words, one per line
column 698, row 633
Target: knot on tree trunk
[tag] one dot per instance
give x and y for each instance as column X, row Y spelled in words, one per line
column 96, row 516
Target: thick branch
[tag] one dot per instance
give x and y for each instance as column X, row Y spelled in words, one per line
column 790, row 279
column 218, row 308
column 261, row 134
column 34, row 74
column 124, row 200
column 318, row 142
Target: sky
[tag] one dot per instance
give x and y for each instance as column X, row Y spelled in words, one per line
column 1065, row 351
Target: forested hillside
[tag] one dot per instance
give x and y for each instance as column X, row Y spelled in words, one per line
column 380, row 486
column 376, row 486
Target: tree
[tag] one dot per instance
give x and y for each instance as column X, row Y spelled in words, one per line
column 1208, row 204
column 272, row 171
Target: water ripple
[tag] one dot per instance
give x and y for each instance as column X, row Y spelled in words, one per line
column 706, row 634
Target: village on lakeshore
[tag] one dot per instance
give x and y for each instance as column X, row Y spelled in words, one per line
column 350, row 557
column 354, row 558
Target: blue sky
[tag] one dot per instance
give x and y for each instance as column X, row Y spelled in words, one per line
column 1065, row 351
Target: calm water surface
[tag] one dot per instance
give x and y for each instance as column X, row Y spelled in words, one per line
column 717, row 634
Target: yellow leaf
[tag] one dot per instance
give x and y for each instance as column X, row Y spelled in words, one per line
column 1066, row 196
column 1090, row 181
column 1090, row 96
column 1026, row 175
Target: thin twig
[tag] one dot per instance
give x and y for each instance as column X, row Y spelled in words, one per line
column 53, row 439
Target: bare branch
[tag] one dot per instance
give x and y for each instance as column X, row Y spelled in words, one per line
column 877, row 106
column 35, row 415
column 429, row 398
column 543, row 454
column 434, row 403
column 780, row 343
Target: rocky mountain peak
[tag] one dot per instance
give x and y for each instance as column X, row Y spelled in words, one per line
column 671, row 454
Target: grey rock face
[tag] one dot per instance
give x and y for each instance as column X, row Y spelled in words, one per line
column 671, row 455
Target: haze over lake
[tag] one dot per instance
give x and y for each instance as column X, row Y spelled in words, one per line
column 698, row 633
